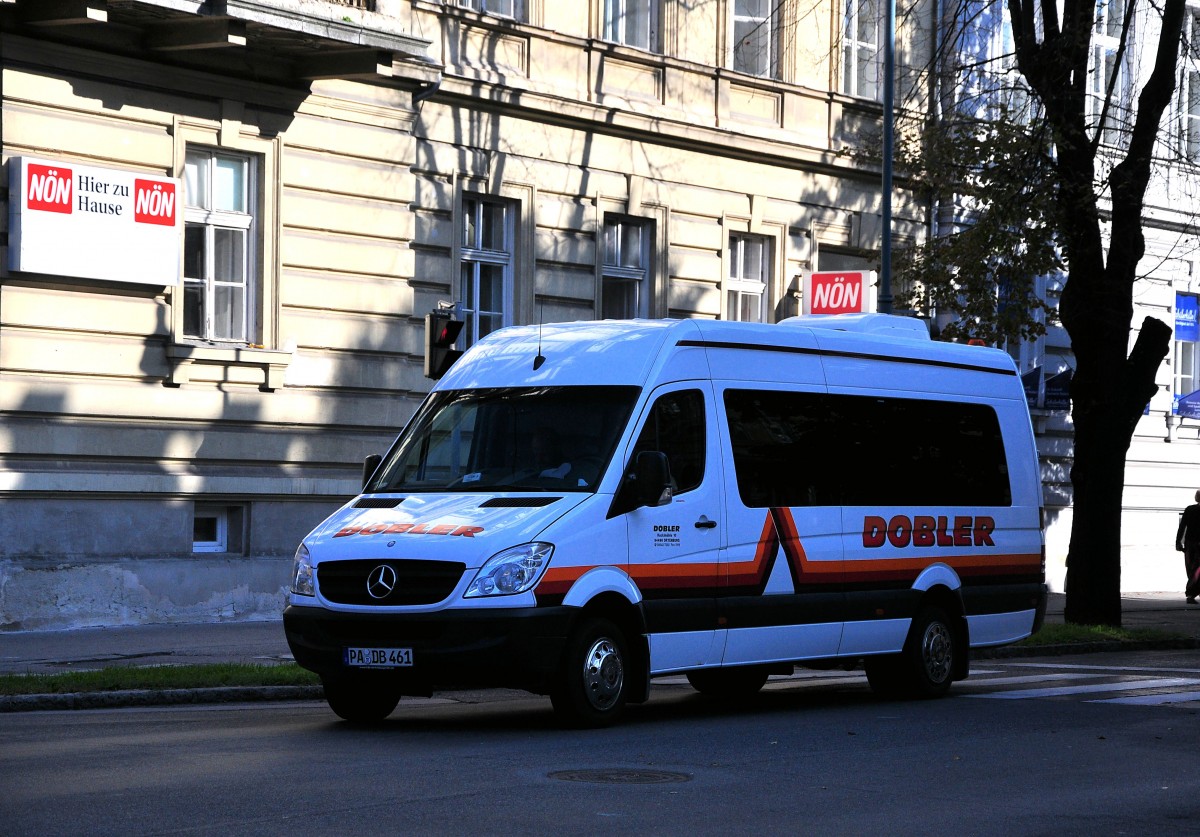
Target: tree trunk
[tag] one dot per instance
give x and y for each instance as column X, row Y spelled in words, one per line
column 1108, row 395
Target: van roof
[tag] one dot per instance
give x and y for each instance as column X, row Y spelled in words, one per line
column 627, row 352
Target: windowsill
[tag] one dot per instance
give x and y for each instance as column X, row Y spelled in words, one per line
column 185, row 357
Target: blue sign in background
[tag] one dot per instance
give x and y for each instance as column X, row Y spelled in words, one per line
column 1187, row 307
column 1188, row 406
column 1058, row 391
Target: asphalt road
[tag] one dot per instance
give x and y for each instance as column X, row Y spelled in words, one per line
column 1022, row 748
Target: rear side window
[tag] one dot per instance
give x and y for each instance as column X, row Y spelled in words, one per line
column 818, row 449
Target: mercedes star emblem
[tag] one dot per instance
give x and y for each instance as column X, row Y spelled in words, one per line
column 381, row 582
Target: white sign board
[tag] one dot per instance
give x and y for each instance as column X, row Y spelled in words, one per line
column 71, row 220
column 839, row 292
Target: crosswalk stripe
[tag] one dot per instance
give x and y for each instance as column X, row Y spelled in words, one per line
column 1021, row 694
column 1153, row 700
column 1027, row 678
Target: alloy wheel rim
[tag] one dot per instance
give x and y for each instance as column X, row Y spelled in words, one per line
column 603, row 673
column 937, row 652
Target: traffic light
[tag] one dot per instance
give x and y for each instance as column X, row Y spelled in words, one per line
column 441, row 330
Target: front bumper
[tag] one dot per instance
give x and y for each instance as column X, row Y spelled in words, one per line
column 517, row 648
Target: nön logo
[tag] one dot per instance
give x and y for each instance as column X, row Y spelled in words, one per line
column 49, row 188
column 153, row 202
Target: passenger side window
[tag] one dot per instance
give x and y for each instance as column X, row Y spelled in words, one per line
column 817, row 449
column 675, row 426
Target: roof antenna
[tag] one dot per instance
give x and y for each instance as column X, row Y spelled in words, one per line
column 539, row 360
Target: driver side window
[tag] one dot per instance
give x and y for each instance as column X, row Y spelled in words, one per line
column 675, row 426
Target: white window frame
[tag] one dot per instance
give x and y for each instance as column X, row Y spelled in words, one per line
column 1189, row 87
column 634, row 23
column 1106, row 42
column 475, row 257
column 618, row 267
column 857, row 51
column 743, row 285
column 220, row 516
column 209, row 221
column 758, row 54
column 513, row 9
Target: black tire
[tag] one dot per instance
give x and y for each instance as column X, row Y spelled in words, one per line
column 728, row 683
column 592, row 682
column 360, row 700
column 925, row 668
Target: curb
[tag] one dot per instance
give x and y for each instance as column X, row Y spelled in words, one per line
column 158, row 697
column 1068, row 649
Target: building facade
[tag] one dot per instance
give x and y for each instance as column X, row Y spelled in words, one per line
column 173, row 427
column 183, row 398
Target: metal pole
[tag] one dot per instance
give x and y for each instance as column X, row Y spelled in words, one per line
column 889, row 118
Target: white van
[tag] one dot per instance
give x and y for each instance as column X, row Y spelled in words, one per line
column 578, row 508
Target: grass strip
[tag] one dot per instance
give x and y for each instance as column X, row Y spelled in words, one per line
column 1082, row 634
column 121, row 678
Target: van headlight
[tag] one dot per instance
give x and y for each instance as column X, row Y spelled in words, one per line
column 302, row 573
column 511, row 571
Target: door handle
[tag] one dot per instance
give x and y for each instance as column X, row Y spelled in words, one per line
column 705, row 523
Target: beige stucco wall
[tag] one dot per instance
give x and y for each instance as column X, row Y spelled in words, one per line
column 112, row 429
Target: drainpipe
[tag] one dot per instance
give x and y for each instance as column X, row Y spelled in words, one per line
column 426, row 90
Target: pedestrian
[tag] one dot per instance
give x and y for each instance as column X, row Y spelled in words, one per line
column 1187, row 541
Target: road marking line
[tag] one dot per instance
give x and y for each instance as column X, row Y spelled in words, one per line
column 1029, row 678
column 1153, row 700
column 1022, row 694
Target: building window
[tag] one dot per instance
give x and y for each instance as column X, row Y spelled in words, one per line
column 1108, row 72
column 756, row 37
column 217, row 528
column 861, row 50
column 632, row 22
column 749, row 267
column 219, row 246
column 488, row 242
column 501, row 8
column 625, row 274
column 1190, row 86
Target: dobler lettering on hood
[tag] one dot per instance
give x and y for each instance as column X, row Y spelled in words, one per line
column 452, row 529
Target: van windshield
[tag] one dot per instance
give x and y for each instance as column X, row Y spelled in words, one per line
column 508, row 439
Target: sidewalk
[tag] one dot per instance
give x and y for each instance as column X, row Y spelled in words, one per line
column 47, row 652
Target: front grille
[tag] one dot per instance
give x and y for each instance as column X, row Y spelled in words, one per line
column 417, row 582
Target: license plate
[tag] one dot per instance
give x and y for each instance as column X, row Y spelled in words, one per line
column 378, row 657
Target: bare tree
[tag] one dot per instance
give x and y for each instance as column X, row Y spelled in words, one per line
column 1112, row 384
column 1029, row 195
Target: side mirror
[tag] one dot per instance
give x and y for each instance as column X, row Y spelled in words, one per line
column 647, row 482
column 370, row 464
column 653, row 475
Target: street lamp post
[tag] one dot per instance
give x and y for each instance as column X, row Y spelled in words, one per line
column 889, row 85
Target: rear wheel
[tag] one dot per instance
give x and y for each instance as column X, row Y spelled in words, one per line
column 925, row 668
column 360, row 700
column 728, row 683
column 592, row 684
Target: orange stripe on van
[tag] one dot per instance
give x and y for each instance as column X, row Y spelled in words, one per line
column 780, row 538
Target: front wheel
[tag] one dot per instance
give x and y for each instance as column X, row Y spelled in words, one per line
column 360, row 700
column 592, row 683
